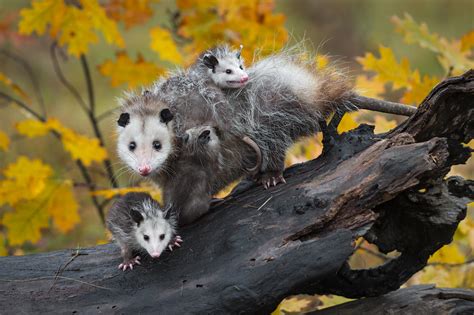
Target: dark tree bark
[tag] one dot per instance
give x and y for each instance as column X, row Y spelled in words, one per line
column 260, row 246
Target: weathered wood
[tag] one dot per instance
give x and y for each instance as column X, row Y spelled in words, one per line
column 260, row 246
column 416, row 300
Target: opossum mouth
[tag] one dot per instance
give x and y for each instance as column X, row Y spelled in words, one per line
column 236, row 83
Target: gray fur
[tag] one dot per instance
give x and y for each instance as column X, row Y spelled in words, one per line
column 122, row 226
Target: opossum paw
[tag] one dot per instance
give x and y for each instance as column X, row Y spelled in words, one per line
column 128, row 263
column 272, row 179
column 175, row 242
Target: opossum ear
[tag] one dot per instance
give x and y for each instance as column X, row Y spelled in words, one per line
column 204, row 137
column 136, row 216
column 210, row 61
column 146, row 93
column 166, row 115
column 239, row 52
column 124, row 119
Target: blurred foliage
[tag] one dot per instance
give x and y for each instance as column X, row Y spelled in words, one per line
column 130, row 43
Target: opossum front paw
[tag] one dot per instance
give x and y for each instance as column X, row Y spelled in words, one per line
column 270, row 179
column 128, row 263
column 175, row 242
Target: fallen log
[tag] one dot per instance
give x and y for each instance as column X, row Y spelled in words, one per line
column 260, row 246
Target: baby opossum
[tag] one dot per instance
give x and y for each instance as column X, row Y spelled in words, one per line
column 138, row 224
column 223, row 66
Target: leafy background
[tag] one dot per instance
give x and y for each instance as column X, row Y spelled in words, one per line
column 63, row 63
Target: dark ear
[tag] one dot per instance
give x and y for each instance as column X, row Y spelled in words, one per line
column 168, row 213
column 166, row 115
column 124, row 119
column 210, row 61
column 146, row 93
column 239, row 52
column 204, row 137
column 136, row 216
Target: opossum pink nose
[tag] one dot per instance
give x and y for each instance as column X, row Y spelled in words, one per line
column 244, row 79
column 155, row 255
column 144, row 170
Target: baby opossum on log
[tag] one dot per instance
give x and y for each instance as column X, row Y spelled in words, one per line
column 138, row 224
column 182, row 146
column 284, row 100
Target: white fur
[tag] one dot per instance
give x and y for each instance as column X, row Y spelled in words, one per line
column 233, row 80
column 155, row 227
column 143, row 130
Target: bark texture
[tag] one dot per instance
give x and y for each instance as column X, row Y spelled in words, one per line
column 260, row 246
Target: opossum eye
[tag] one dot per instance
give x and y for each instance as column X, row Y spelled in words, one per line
column 228, row 71
column 156, row 145
column 162, row 237
column 132, row 145
column 146, row 238
column 241, row 67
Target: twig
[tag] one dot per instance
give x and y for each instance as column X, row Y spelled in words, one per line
column 52, row 277
column 22, row 105
column 105, row 114
column 61, row 269
column 376, row 254
column 31, row 75
column 449, row 265
column 63, row 80
column 93, row 119
column 264, row 203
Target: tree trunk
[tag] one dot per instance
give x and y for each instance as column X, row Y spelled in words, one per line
column 260, row 246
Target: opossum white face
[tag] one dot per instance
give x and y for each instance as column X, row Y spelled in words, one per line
column 145, row 141
column 227, row 72
column 152, row 233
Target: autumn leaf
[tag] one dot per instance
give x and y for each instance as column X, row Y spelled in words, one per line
column 25, row 223
column 4, row 141
column 467, row 41
column 80, row 147
column 383, row 125
column 3, row 248
column 387, row 68
column 448, row 254
column 32, row 128
column 348, row 122
column 369, row 87
column 162, row 42
column 419, row 90
column 298, row 304
column 14, row 87
column 24, row 179
column 131, row 12
column 113, row 192
column 63, row 208
column 74, row 26
column 125, row 70
column 420, row 34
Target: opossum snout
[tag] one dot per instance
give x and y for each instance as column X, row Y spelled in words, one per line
column 155, row 254
column 144, row 170
column 244, row 79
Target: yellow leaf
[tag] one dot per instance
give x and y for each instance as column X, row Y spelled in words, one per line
column 14, row 87
column 332, row 300
column 348, row 122
column 80, row 147
column 83, row 148
column 131, row 12
column 383, row 125
column 24, row 179
column 3, row 249
column 420, row 34
column 388, row 69
column 42, row 13
column 4, row 141
column 369, row 87
column 448, row 254
column 25, row 223
column 419, row 90
column 63, row 207
column 134, row 73
column 298, row 304
column 110, row 193
column 162, row 42
column 73, row 24
column 467, row 41
column 32, row 128
column 77, row 32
